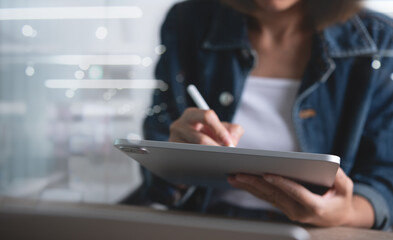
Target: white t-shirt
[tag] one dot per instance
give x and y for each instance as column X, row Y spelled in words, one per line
column 265, row 113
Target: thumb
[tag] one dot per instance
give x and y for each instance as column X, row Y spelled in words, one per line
column 342, row 183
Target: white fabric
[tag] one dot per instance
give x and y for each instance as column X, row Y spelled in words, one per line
column 265, row 113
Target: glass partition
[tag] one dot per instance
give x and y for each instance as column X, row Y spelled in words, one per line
column 74, row 76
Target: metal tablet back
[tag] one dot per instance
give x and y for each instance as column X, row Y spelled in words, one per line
column 193, row 164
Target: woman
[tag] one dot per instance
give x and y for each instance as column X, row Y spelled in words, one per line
column 293, row 75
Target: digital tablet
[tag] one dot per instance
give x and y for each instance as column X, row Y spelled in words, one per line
column 201, row 165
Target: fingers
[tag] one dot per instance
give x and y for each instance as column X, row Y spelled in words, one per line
column 210, row 120
column 235, row 130
column 297, row 202
column 342, row 185
column 188, row 128
column 190, row 135
column 263, row 190
column 252, row 184
column 294, row 190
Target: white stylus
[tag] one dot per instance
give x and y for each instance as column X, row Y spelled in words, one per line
column 197, row 97
column 199, row 101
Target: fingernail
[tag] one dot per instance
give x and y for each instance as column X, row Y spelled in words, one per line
column 229, row 142
column 241, row 178
column 268, row 178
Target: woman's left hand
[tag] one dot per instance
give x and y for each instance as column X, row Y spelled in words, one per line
column 337, row 207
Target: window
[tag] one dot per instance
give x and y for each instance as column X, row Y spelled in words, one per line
column 74, row 76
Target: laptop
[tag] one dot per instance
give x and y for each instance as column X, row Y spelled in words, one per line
column 28, row 219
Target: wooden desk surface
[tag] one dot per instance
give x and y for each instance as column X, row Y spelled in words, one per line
column 345, row 233
column 109, row 222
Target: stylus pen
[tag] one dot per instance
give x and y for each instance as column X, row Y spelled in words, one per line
column 199, row 101
column 197, row 97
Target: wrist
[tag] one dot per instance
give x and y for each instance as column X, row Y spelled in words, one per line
column 361, row 213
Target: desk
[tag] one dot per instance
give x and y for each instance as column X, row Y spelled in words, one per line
column 345, row 233
column 98, row 221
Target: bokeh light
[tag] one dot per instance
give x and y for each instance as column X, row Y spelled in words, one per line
column 29, row 31
column 79, row 75
column 30, row 71
column 101, row 33
column 160, row 49
column 147, row 61
column 70, row 93
column 96, row 72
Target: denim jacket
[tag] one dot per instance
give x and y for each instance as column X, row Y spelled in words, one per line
column 347, row 84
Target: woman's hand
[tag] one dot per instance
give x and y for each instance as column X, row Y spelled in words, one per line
column 204, row 127
column 337, row 207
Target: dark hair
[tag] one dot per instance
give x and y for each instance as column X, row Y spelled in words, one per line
column 321, row 13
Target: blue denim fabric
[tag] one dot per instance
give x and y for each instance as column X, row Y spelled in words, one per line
column 348, row 83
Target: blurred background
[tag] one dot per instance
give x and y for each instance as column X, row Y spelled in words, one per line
column 74, row 76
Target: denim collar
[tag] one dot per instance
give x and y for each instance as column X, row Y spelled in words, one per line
column 349, row 39
column 229, row 31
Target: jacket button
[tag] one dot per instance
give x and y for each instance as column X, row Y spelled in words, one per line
column 376, row 64
column 226, row 99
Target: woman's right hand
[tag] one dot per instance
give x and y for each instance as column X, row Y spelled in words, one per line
column 204, row 127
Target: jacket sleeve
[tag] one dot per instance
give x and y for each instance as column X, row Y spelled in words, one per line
column 373, row 170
